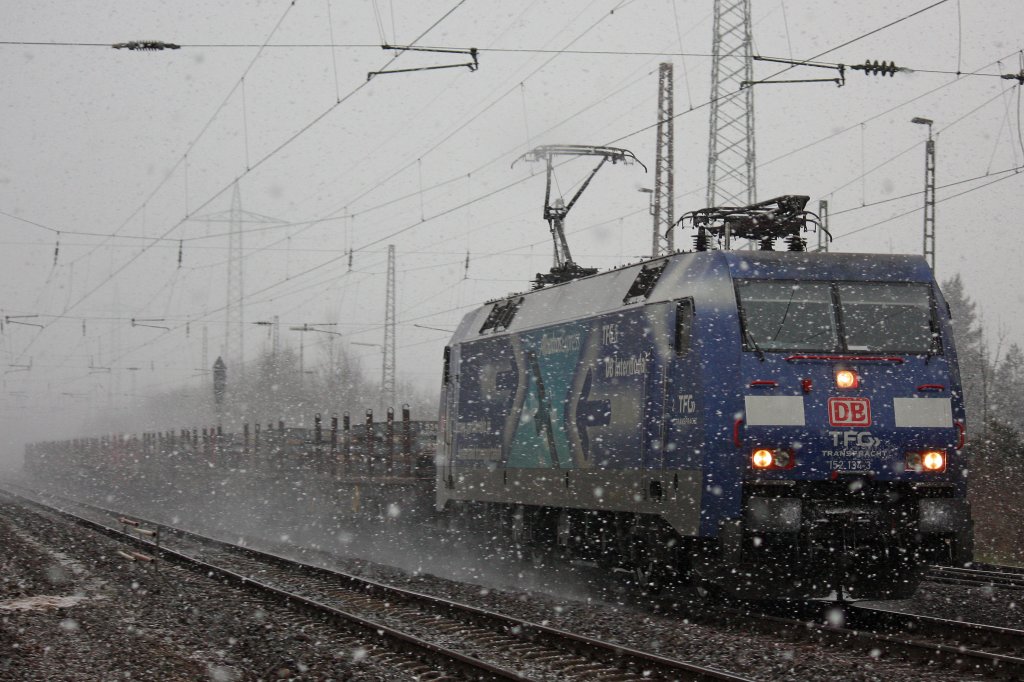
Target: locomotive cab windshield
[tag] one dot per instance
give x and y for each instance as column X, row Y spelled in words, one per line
column 835, row 317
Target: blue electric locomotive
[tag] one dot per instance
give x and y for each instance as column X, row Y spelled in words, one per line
column 768, row 423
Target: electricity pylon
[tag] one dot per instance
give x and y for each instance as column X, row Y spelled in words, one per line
column 234, row 339
column 731, row 160
column 664, row 183
column 387, row 378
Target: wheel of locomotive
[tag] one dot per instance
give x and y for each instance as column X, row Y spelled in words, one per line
column 540, row 554
column 541, row 549
column 646, row 571
column 457, row 522
column 704, row 588
column 519, row 534
column 650, row 558
column 606, row 544
column 563, row 549
column 524, row 535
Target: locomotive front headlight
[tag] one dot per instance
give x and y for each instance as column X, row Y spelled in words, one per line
column 933, row 460
column 762, row 458
column 847, row 378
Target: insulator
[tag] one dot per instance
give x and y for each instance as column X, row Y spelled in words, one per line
column 876, row 68
column 796, row 243
column 700, row 241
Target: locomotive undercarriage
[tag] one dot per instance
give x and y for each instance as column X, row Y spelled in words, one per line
column 642, row 545
column 852, row 539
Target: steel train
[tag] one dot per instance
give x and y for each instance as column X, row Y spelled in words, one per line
column 768, row 424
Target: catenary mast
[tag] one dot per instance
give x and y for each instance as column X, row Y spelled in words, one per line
column 731, row 160
column 664, row 181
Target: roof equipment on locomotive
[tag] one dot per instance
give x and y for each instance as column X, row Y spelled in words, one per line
column 565, row 268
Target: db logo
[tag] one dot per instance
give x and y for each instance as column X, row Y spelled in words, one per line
column 849, row 412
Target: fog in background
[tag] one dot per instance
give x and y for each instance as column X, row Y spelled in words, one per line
column 117, row 169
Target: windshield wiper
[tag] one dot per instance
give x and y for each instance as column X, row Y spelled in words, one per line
column 753, row 342
column 785, row 313
column 935, row 344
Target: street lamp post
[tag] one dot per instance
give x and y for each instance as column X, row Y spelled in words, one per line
column 929, row 192
column 650, row 209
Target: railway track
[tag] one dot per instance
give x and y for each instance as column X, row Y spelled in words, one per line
column 981, row 575
column 539, row 652
column 970, row 647
column 1004, row 644
column 449, row 636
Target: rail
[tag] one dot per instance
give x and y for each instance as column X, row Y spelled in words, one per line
column 502, row 643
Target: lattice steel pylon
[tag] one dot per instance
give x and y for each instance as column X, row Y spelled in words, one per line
column 234, row 337
column 663, row 241
column 731, row 160
column 929, row 192
column 929, row 200
column 387, row 376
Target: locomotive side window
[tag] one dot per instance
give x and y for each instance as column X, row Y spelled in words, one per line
column 783, row 315
column 887, row 317
column 684, row 326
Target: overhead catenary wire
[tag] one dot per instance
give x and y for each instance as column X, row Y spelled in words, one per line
column 431, row 314
column 316, row 267
column 250, row 167
column 257, row 164
column 618, row 139
column 910, row 148
column 346, row 214
column 888, row 200
column 108, row 235
column 938, row 201
column 462, row 126
column 648, row 127
column 781, row 71
column 183, row 161
column 493, row 50
column 1006, row 173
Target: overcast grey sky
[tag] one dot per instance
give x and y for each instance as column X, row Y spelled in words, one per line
column 129, row 147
